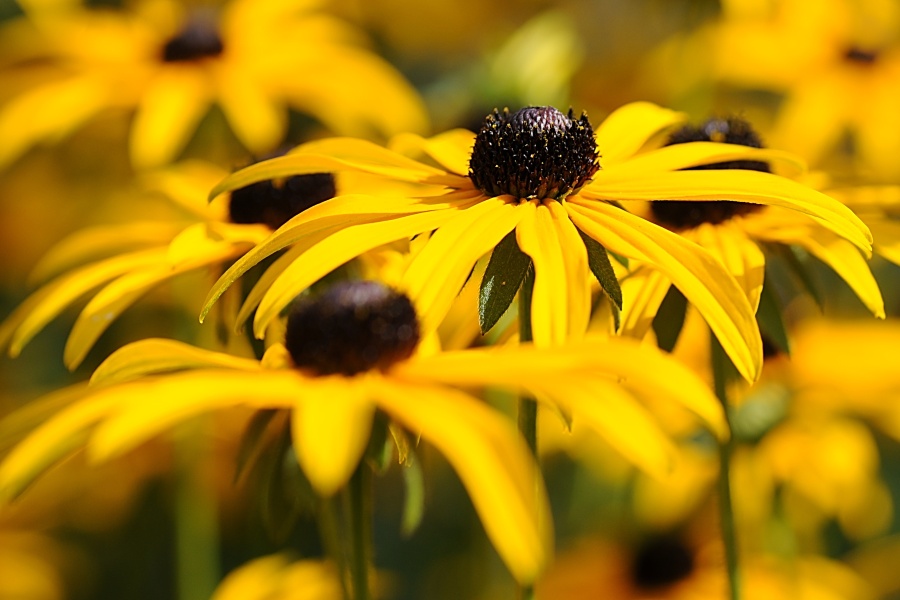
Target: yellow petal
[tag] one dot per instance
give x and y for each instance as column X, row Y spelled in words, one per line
column 835, row 252
column 642, row 294
column 625, row 424
column 146, row 408
column 330, row 427
column 438, row 272
column 642, row 368
column 262, row 285
column 628, row 128
column 167, row 116
column 258, row 121
column 887, row 239
column 335, row 154
column 332, row 252
column 740, row 255
column 681, row 156
column 451, row 149
column 491, row 460
column 47, row 113
column 49, row 301
column 156, row 355
column 700, row 277
column 741, row 185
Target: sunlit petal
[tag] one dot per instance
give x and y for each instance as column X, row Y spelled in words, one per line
column 643, row 292
column 257, row 119
column 624, row 131
column 451, row 149
column 739, row 254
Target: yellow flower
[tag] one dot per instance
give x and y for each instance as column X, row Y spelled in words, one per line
column 353, row 350
column 276, row 577
column 740, row 235
column 836, row 61
column 549, row 198
column 170, row 63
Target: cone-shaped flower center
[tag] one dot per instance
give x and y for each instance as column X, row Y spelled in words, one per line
column 536, row 152
column 274, row 203
column 352, row 327
column 661, row 562
column 679, row 215
column 198, row 39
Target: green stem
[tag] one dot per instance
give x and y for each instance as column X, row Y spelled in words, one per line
column 360, row 490
column 528, row 409
column 329, row 531
column 723, row 371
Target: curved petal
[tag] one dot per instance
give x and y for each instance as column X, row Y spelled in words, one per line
column 451, row 149
column 335, row 154
column 491, row 460
column 145, row 408
column 330, row 426
column 643, row 291
column 617, row 417
column 156, row 355
column 167, row 116
column 48, row 302
column 628, row 128
column 740, row 255
column 700, row 277
column 741, row 185
column 437, row 273
column 332, row 252
column 525, row 367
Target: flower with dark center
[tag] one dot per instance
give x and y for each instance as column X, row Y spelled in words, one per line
column 199, row 38
column 352, row 327
column 536, row 152
column 861, row 56
column 690, row 214
column 275, row 202
column 661, row 562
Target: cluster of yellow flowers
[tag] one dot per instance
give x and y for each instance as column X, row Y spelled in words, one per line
column 651, row 337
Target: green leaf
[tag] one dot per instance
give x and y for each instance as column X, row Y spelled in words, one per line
column 669, row 319
column 770, row 319
column 414, row 499
column 598, row 260
column 795, row 265
column 504, row 274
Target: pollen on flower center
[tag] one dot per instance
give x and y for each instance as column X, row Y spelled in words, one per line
column 352, row 327
column 536, row 152
column 680, row 215
column 660, row 562
column 274, row 203
column 199, row 38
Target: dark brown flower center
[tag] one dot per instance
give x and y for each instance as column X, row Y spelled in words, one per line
column 274, row 203
column 861, row 56
column 687, row 214
column 199, row 38
column 536, row 152
column 660, row 562
column 352, row 327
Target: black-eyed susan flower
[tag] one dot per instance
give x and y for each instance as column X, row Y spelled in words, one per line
column 353, row 350
column 737, row 234
column 532, row 182
column 121, row 263
column 171, row 62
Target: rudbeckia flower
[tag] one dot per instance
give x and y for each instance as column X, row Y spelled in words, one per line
column 353, row 350
column 124, row 262
column 738, row 234
column 171, row 63
column 531, row 182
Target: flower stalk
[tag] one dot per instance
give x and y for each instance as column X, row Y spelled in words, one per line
column 527, row 408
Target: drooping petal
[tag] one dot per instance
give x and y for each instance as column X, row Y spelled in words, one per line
column 738, row 253
column 525, row 367
column 451, row 149
column 737, row 184
column 330, row 426
column 643, row 291
column 49, row 301
column 148, row 407
column 157, row 355
column 258, row 120
column 491, row 460
column 259, row 289
column 167, row 116
column 699, row 276
column 887, row 239
column 332, row 252
column 628, row 128
column 625, row 424
column 440, row 269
